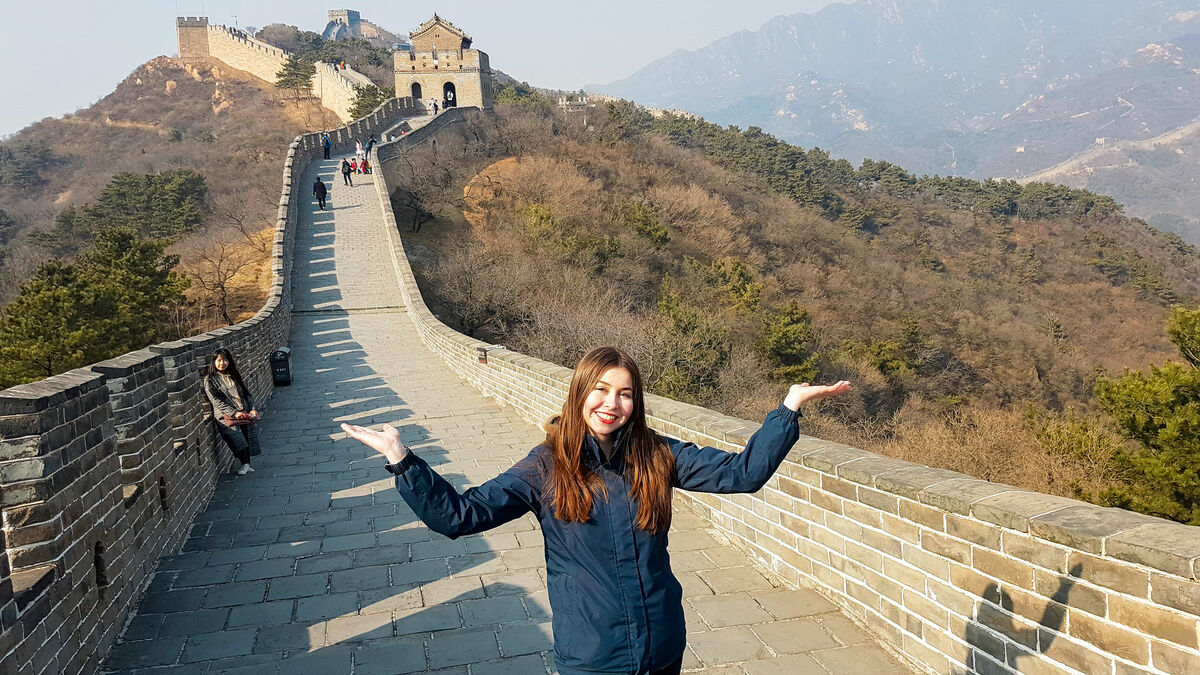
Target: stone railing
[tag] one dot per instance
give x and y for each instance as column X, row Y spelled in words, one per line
column 103, row 468
column 955, row 574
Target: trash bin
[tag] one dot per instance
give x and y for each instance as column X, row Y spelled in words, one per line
column 281, row 367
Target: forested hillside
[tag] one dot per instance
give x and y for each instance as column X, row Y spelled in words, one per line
column 144, row 217
column 975, row 318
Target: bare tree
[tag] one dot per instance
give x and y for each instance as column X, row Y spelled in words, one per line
column 250, row 212
column 214, row 260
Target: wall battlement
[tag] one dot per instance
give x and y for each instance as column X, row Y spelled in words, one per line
column 956, row 574
column 200, row 40
column 103, row 468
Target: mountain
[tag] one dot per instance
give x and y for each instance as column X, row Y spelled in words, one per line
column 946, row 86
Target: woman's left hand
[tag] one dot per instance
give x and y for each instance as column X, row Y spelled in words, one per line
column 803, row 393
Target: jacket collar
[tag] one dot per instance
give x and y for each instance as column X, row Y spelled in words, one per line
column 620, row 438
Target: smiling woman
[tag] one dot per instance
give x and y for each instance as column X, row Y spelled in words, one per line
column 600, row 485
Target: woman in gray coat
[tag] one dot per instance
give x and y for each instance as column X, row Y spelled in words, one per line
column 233, row 408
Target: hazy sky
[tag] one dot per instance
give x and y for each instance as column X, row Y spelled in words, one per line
column 67, row 54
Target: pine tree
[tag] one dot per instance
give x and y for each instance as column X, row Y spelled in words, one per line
column 367, row 99
column 1160, row 411
column 296, row 76
column 111, row 300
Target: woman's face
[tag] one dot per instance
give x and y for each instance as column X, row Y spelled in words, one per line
column 610, row 403
column 221, row 363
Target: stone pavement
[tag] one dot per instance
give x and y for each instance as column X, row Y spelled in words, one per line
column 313, row 563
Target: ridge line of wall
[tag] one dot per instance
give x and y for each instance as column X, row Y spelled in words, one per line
column 955, row 573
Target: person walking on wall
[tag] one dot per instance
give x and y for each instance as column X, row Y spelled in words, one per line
column 600, row 485
column 319, row 191
column 346, row 169
column 371, row 143
column 233, row 408
column 358, row 149
column 326, row 144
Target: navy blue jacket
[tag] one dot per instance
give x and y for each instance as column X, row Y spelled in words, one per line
column 617, row 608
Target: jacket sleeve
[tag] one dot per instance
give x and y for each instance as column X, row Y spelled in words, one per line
column 712, row 470
column 220, row 403
column 453, row 514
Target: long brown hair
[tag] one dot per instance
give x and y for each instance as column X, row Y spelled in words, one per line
column 649, row 464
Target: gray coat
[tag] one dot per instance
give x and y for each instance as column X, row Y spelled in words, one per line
column 223, row 394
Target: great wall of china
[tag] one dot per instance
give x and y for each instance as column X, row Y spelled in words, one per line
column 103, row 470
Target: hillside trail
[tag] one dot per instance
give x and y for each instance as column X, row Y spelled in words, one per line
column 313, row 563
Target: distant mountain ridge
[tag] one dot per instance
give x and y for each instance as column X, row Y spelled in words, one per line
column 946, row 86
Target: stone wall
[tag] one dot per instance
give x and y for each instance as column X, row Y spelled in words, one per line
column 103, row 468
column 338, row 88
column 955, row 574
column 199, row 40
column 238, row 50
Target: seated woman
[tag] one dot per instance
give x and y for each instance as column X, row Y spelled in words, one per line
column 233, row 408
column 600, row 486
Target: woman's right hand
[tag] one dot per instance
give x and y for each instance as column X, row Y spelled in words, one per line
column 386, row 442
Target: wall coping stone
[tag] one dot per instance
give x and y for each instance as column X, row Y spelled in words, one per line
column 1170, row 547
column 831, row 456
column 1085, row 527
column 956, row 495
column 909, row 481
column 126, row 364
column 1015, row 509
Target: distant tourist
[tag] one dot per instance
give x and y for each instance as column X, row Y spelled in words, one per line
column 371, row 143
column 346, row 171
column 358, row 149
column 600, row 485
column 233, row 408
column 364, row 167
column 354, row 166
column 326, row 144
column 319, row 191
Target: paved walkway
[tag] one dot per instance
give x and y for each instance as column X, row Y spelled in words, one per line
column 313, row 564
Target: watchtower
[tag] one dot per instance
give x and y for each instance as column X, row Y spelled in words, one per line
column 440, row 64
column 192, row 32
column 343, row 23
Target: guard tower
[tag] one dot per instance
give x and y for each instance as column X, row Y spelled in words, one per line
column 343, row 23
column 192, row 32
column 440, row 64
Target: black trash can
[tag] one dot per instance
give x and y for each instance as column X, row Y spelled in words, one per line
column 281, row 366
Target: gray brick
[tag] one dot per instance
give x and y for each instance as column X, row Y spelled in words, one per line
column 261, row 614
column 227, row 595
column 488, row 611
column 145, row 653
column 348, row 542
column 266, row 569
column 326, row 606
column 388, row 657
column 464, row 645
column 298, row 586
column 526, row 638
column 325, row 562
column 182, row 624
column 360, row 579
column 218, row 645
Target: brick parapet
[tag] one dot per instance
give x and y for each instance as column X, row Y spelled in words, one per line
column 956, row 574
column 103, row 468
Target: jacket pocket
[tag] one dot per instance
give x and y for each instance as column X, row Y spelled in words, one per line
column 564, row 611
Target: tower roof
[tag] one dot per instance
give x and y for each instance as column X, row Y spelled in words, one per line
column 438, row 22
